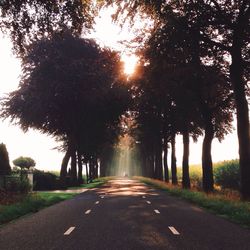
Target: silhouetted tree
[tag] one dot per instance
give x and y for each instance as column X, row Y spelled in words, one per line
column 4, row 160
column 222, row 26
column 27, row 21
column 71, row 89
column 182, row 36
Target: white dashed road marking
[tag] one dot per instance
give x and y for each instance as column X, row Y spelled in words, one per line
column 157, row 211
column 97, row 202
column 88, row 211
column 69, row 231
column 149, row 202
column 143, row 197
column 102, row 197
column 173, row 230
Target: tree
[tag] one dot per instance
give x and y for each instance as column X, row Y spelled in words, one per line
column 73, row 90
column 24, row 162
column 201, row 94
column 222, row 26
column 168, row 59
column 4, row 160
column 27, row 21
column 208, row 30
column 232, row 20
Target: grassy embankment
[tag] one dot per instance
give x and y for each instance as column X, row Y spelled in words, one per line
column 96, row 183
column 34, row 202
column 225, row 203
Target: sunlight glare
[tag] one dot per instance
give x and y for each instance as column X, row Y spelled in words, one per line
column 130, row 62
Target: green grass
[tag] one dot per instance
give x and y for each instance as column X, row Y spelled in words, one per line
column 234, row 210
column 31, row 204
column 195, row 173
column 95, row 183
column 226, row 163
column 35, row 202
column 196, row 169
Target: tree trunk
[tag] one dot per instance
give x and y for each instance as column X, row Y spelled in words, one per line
column 105, row 160
column 143, row 162
column 65, row 161
column 185, row 161
column 207, row 164
column 236, row 75
column 79, row 161
column 151, row 165
column 173, row 161
column 103, row 167
column 87, row 172
column 91, row 166
column 158, row 162
column 73, row 168
column 95, row 167
column 165, row 163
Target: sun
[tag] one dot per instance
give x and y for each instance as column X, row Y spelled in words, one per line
column 130, row 62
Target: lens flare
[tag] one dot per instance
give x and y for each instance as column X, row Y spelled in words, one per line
column 130, row 62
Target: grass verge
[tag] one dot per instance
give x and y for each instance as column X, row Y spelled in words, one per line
column 234, row 210
column 95, row 183
column 31, row 204
column 36, row 201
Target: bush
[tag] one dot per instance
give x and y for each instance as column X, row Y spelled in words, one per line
column 195, row 173
column 24, row 162
column 227, row 174
column 44, row 180
column 196, row 180
column 17, row 185
column 24, row 186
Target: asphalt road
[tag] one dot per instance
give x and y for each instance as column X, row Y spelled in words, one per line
column 122, row 215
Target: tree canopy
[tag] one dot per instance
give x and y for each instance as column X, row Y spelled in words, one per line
column 71, row 89
column 193, row 74
column 24, row 162
column 27, row 21
column 220, row 36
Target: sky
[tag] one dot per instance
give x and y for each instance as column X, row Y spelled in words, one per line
column 41, row 147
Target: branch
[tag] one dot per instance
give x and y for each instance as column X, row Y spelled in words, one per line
column 206, row 39
column 221, row 13
column 242, row 8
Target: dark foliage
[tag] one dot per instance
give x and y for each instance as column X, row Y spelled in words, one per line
column 206, row 33
column 73, row 90
column 4, row 160
column 45, row 181
column 27, row 21
column 228, row 175
column 16, row 184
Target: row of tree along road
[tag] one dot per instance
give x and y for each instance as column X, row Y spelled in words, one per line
column 192, row 76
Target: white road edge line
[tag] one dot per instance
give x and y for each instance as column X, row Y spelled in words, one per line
column 157, row 211
column 69, row 231
column 149, row 202
column 173, row 230
column 88, row 211
column 97, row 202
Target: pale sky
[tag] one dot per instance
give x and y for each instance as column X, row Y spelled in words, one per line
column 40, row 147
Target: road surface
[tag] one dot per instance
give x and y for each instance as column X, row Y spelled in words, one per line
column 122, row 215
